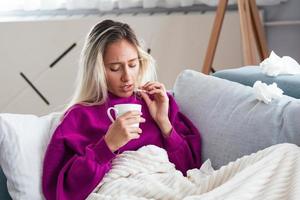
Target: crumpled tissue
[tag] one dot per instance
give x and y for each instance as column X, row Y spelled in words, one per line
column 266, row 93
column 275, row 65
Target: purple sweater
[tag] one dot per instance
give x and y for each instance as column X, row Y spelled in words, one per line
column 77, row 156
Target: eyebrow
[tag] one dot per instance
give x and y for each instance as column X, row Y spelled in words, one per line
column 115, row 63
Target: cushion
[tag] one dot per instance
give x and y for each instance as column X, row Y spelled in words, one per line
column 231, row 120
column 23, row 141
column 290, row 84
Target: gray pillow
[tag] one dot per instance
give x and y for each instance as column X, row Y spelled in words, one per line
column 231, row 121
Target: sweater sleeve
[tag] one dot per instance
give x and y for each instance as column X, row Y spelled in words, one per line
column 73, row 165
column 184, row 142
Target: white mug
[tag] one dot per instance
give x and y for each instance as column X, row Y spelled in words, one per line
column 120, row 109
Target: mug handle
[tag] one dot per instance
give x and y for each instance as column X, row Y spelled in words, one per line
column 109, row 114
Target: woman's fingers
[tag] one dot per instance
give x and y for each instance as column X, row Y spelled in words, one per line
column 130, row 114
column 146, row 98
column 130, row 118
column 153, row 85
column 135, row 120
column 134, row 136
column 153, row 88
column 134, row 130
column 146, row 84
column 157, row 91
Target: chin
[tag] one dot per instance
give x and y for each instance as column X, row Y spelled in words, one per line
column 125, row 94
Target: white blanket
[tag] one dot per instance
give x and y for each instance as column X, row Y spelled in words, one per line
column 273, row 173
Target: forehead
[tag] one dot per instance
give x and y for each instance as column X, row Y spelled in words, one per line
column 120, row 51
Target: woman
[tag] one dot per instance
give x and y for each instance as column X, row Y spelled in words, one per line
column 86, row 141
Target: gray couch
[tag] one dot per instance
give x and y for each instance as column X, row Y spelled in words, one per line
column 232, row 122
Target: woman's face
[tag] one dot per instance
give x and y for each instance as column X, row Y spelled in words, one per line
column 122, row 68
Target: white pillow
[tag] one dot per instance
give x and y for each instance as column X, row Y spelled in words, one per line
column 23, row 141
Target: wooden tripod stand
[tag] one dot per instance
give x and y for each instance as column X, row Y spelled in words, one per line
column 251, row 29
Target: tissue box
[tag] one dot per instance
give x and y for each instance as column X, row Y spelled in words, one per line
column 290, row 84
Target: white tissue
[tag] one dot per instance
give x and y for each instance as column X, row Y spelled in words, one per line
column 266, row 93
column 274, row 65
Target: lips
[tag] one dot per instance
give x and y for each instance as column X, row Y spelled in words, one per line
column 127, row 88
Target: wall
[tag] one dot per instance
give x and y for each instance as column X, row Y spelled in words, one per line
column 177, row 41
column 284, row 39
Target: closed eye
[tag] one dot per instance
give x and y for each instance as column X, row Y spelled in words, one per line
column 114, row 70
column 114, row 67
column 133, row 63
column 132, row 66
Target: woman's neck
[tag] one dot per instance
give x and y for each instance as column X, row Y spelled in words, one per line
column 117, row 99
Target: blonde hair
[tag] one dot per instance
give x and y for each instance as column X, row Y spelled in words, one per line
column 91, row 83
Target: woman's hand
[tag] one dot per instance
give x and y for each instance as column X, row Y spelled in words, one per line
column 159, row 106
column 121, row 131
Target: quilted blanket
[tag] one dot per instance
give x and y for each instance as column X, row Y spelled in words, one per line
column 272, row 173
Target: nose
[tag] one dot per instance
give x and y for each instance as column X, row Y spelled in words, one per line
column 125, row 75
